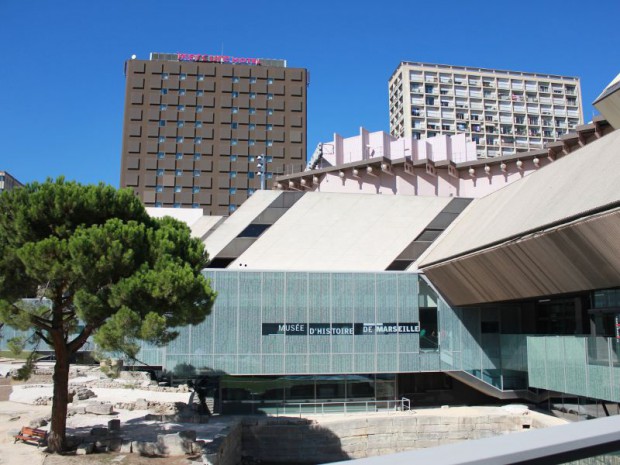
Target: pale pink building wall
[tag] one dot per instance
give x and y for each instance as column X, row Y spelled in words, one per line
column 477, row 185
column 369, row 145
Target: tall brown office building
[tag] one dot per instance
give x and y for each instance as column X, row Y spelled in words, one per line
column 194, row 126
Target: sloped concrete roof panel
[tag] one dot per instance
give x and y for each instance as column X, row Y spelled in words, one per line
column 341, row 232
column 584, row 181
column 238, row 221
column 579, row 256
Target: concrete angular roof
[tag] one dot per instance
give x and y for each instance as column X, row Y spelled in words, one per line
column 587, row 180
column 341, row 232
column 238, row 221
column 554, row 232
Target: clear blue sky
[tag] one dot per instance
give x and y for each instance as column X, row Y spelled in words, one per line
column 61, row 62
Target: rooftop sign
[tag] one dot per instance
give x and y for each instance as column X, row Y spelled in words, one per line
column 218, row 59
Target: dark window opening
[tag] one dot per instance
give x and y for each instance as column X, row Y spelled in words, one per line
column 429, row 332
column 220, row 262
column 254, row 230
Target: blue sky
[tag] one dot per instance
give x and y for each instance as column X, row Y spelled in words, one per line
column 62, row 83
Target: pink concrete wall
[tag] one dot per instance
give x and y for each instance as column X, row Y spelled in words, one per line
column 380, row 144
column 477, row 185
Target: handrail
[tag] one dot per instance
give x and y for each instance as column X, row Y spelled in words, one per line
column 402, row 405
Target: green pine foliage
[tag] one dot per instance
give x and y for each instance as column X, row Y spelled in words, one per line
column 107, row 269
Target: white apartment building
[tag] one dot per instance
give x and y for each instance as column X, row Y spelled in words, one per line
column 503, row 112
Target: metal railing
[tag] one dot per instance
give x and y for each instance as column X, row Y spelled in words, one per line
column 322, row 408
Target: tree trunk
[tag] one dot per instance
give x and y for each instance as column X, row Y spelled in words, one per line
column 56, row 439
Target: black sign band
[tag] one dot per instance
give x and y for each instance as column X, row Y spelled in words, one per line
column 338, row 329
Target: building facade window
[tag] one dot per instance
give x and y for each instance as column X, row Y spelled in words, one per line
column 196, row 173
column 160, row 172
column 252, row 111
column 198, row 140
column 234, row 110
column 198, row 124
column 160, row 155
column 181, row 108
column 162, row 123
column 182, row 92
column 195, row 190
column 235, row 79
column 197, row 156
column 180, row 124
column 178, row 156
column 199, row 108
column 201, row 77
column 269, row 96
column 177, row 188
column 252, row 95
column 252, row 80
column 178, row 173
column 179, row 139
column 164, row 91
column 183, row 76
column 235, row 94
column 165, row 76
column 159, row 188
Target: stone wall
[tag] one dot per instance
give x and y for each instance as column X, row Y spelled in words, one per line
column 225, row 448
column 290, row 440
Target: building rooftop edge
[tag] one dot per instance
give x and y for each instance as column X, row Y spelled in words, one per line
column 481, row 69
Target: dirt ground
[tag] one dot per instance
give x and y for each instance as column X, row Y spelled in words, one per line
column 117, row 459
column 14, row 415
